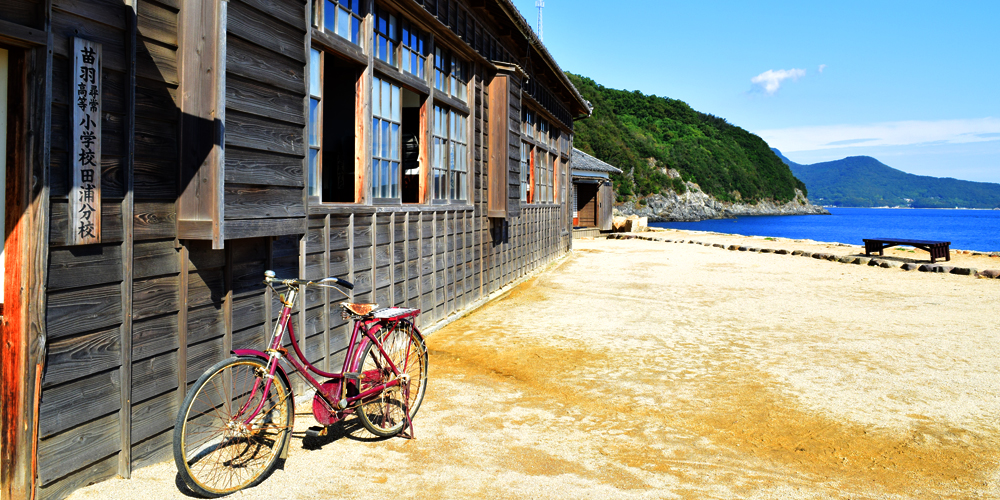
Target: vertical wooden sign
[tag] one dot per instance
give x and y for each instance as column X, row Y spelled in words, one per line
column 85, row 153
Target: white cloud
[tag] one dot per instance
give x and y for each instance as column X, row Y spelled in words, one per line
column 770, row 80
column 822, row 67
column 904, row 133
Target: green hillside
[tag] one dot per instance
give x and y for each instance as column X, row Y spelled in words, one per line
column 863, row 181
column 629, row 128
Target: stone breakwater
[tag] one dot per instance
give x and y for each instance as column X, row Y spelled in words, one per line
column 695, row 205
column 845, row 259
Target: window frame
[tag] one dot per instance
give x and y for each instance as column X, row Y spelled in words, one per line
column 386, row 29
column 355, row 12
column 393, row 157
column 449, row 148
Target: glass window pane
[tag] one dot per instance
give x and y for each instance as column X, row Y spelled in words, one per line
column 406, row 60
column 355, row 29
column 313, row 174
column 343, row 23
column 386, row 139
column 386, row 100
column 395, row 142
column 395, row 180
column 355, row 6
column 315, row 59
column 330, row 16
column 392, row 28
column 376, row 130
column 314, row 122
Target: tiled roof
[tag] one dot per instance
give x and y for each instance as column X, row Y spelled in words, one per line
column 583, row 161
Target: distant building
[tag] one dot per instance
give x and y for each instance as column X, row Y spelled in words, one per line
column 593, row 193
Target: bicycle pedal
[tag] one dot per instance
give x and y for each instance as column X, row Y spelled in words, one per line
column 316, row 431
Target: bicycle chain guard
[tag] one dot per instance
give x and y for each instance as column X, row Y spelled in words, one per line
column 325, row 413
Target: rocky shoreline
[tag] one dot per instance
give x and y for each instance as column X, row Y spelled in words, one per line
column 695, row 205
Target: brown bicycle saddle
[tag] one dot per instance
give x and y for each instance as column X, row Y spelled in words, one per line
column 358, row 309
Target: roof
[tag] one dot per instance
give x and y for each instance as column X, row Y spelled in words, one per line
column 585, row 162
column 522, row 24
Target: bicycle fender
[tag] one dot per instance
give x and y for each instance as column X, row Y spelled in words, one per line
column 254, row 353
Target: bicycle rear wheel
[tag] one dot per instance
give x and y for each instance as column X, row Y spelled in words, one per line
column 217, row 450
column 382, row 413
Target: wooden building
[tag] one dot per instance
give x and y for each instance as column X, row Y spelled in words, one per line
column 160, row 155
column 593, row 194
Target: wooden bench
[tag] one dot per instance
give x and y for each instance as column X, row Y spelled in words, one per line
column 937, row 249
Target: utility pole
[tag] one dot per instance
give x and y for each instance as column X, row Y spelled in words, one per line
column 540, row 4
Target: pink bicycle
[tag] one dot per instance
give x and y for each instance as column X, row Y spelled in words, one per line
column 236, row 420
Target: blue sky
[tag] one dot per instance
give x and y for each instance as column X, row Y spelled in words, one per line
column 915, row 84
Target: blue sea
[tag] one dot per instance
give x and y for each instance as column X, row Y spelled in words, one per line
column 977, row 230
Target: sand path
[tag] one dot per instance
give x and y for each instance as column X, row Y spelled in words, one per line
column 638, row 369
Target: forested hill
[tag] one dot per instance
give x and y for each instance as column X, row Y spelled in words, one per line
column 646, row 135
column 863, row 181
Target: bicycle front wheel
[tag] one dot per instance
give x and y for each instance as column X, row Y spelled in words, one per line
column 383, row 413
column 230, row 431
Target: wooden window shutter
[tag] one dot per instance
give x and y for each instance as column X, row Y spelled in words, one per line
column 503, row 170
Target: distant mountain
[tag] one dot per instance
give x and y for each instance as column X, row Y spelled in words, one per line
column 863, row 181
column 661, row 144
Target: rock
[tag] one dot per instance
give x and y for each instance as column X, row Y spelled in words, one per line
column 819, row 256
column 618, row 224
column 830, row 257
column 990, row 273
column 909, row 266
column 875, row 263
column 863, row 261
column 888, row 264
column 695, row 205
column 847, row 259
column 943, row 269
column 733, row 247
column 797, row 252
column 926, row 268
column 742, row 248
column 781, row 251
column 718, row 245
column 965, row 271
column 766, row 250
column 753, row 249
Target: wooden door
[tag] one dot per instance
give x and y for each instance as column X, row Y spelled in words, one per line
column 587, row 204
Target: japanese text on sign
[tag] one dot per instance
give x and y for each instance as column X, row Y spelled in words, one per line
column 85, row 190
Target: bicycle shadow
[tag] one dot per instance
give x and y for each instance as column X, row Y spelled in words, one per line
column 348, row 428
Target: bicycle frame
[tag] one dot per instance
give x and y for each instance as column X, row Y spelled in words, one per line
column 361, row 333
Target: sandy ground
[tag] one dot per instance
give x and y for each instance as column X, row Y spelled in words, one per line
column 639, row 369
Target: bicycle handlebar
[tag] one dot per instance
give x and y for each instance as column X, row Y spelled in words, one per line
column 269, row 276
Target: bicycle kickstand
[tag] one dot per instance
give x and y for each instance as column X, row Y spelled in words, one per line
column 406, row 411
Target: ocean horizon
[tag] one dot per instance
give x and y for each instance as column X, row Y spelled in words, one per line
column 967, row 229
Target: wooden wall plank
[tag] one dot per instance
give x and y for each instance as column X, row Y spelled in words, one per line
column 252, row 166
column 68, row 405
column 155, row 296
column 77, row 311
column 260, row 29
column 70, row 358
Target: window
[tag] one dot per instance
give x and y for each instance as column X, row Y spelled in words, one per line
column 386, row 121
column 543, row 131
column 414, row 53
column 450, row 74
column 385, row 36
column 315, row 119
column 525, row 170
column 451, row 168
column 528, row 123
column 543, row 177
column 331, row 128
column 343, row 17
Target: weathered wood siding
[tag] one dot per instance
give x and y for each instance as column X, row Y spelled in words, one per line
column 266, row 52
column 132, row 322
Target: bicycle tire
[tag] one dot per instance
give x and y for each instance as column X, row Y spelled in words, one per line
column 214, row 455
column 382, row 414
